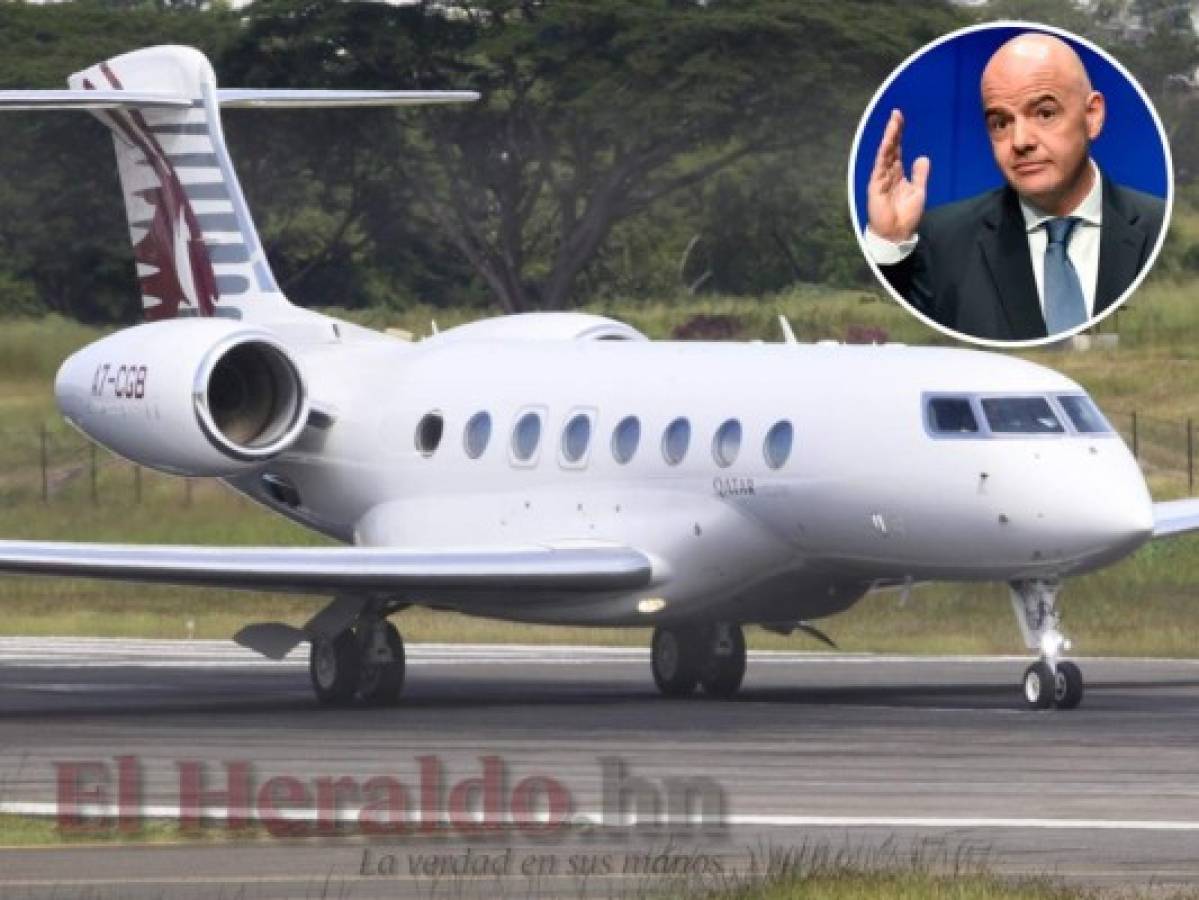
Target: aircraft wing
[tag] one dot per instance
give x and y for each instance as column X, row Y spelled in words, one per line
column 338, row 570
column 1175, row 517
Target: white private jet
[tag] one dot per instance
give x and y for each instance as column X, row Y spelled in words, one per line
column 558, row 467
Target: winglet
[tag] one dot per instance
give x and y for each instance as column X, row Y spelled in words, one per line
column 788, row 334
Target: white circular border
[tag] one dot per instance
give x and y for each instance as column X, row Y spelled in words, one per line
column 1161, row 133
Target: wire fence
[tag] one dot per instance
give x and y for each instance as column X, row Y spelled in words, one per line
column 1165, row 448
column 54, row 464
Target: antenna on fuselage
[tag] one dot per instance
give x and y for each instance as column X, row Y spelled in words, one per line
column 788, row 333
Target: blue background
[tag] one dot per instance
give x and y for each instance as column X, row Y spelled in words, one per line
column 939, row 97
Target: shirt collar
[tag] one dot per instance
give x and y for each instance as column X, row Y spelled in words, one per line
column 1090, row 210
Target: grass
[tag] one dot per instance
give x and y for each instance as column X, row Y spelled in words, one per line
column 1154, row 372
column 822, row 875
column 41, row 831
column 807, row 872
column 925, row 868
column 909, row 886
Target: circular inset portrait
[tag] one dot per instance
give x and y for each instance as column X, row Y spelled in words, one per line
column 1010, row 184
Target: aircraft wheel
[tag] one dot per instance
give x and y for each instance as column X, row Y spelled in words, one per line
column 382, row 675
column 675, row 660
column 724, row 671
column 1067, row 686
column 334, row 665
column 1039, row 685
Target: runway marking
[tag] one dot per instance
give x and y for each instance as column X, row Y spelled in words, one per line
column 44, row 809
column 75, row 652
column 323, row 881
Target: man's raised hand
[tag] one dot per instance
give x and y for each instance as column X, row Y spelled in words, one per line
column 895, row 203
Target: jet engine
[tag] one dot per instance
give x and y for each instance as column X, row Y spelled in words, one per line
column 194, row 397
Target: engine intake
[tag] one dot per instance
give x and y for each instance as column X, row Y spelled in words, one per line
column 250, row 398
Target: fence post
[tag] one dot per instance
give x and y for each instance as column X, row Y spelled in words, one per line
column 45, row 460
column 1190, row 456
column 95, row 486
column 1135, row 448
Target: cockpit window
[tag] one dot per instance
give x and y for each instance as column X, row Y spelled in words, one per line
column 952, row 415
column 1084, row 415
column 1021, row 415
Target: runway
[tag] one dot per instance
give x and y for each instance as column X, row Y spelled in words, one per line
column 869, row 757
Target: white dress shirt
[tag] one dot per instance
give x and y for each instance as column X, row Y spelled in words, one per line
column 1083, row 249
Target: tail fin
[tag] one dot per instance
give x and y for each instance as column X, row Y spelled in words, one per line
column 196, row 247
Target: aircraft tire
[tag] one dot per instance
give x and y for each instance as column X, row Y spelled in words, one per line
column 1039, row 685
column 1067, row 688
column 333, row 665
column 675, row 659
column 380, row 684
column 723, row 674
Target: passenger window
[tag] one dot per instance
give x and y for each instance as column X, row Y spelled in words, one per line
column 477, row 434
column 727, row 443
column 777, row 447
column 575, row 438
column 1085, row 416
column 675, row 441
column 952, row 415
column 526, row 436
column 428, row 433
column 625, row 439
column 1021, row 415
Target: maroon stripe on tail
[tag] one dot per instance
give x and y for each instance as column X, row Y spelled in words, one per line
column 172, row 213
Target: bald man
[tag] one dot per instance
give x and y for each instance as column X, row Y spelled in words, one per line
column 1046, row 253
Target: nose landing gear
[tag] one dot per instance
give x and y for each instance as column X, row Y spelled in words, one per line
column 1050, row 682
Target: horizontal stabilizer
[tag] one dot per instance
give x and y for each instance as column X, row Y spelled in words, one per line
column 246, row 98
column 1175, row 517
column 91, row 100
column 234, row 98
column 324, row 570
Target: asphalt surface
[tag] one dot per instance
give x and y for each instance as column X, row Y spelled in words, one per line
column 856, row 759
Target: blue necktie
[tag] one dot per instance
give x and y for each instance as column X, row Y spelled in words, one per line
column 1064, row 304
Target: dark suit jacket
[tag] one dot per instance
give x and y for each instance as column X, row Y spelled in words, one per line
column 971, row 270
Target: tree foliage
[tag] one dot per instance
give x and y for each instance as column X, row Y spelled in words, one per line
column 620, row 147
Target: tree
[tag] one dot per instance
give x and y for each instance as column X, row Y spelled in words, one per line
column 63, row 231
column 333, row 212
column 591, row 112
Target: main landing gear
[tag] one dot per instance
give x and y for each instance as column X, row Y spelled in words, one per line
column 1050, row 682
column 711, row 656
column 365, row 661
